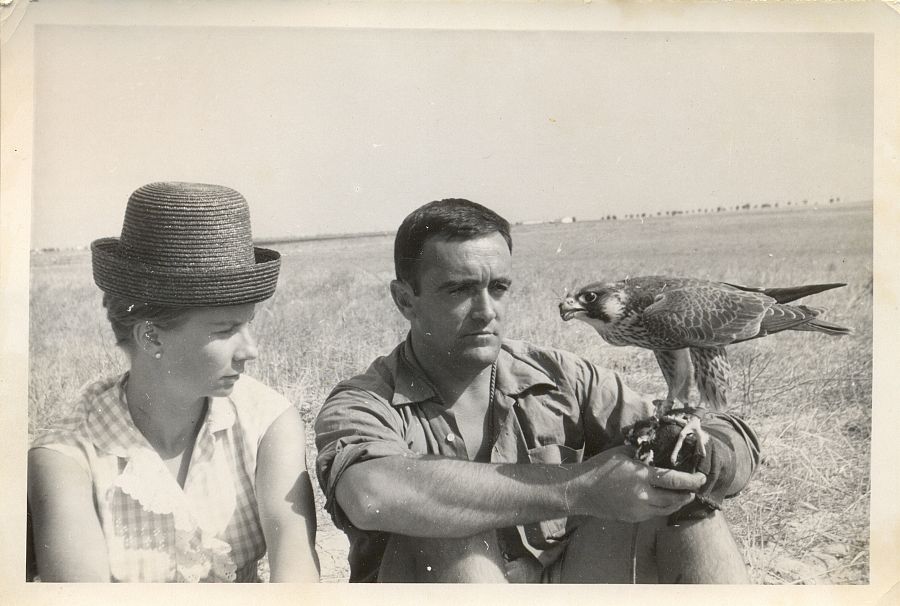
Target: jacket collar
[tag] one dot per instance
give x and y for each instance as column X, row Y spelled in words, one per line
column 515, row 375
column 411, row 384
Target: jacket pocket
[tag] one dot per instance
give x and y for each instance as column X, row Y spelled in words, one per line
column 549, row 532
column 555, row 454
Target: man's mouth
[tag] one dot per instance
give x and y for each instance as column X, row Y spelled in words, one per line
column 482, row 333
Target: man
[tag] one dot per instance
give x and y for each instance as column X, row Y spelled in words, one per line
column 466, row 457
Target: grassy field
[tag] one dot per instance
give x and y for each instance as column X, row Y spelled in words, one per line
column 804, row 518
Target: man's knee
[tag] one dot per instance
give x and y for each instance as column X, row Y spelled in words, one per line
column 475, row 559
column 700, row 551
column 609, row 551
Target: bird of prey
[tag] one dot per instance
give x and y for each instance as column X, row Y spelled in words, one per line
column 688, row 323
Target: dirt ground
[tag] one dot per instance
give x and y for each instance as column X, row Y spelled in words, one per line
column 331, row 545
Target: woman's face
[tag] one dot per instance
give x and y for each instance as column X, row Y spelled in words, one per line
column 204, row 355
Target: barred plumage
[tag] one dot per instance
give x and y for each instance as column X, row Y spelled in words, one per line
column 688, row 322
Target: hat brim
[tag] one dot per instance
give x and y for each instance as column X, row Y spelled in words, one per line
column 117, row 274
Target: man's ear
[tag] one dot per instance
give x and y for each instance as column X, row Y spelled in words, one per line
column 403, row 296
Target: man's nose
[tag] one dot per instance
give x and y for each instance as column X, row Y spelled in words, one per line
column 484, row 306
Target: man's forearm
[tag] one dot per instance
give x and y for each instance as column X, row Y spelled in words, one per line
column 441, row 497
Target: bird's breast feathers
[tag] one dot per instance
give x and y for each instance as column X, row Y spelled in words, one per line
column 629, row 330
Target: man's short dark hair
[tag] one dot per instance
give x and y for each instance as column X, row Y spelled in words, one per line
column 450, row 219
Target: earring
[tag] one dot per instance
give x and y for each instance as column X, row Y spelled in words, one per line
column 158, row 355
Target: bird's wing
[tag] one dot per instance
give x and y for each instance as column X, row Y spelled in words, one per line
column 706, row 316
column 785, row 317
column 792, row 293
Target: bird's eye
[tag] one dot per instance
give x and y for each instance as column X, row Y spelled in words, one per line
column 589, row 297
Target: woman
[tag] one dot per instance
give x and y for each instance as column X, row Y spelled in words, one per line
column 181, row 469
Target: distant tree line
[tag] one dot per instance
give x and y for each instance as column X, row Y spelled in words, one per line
column 717, row 209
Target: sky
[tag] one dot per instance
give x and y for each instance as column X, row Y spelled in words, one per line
column 328, row 130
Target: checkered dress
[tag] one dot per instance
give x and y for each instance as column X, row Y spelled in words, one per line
column 155, row 530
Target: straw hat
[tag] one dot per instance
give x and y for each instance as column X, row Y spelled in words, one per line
column 185, row 244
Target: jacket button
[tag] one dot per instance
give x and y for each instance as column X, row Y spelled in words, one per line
column 450, row 437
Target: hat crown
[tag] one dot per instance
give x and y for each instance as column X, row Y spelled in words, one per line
column 185, row 244
column 187, row 227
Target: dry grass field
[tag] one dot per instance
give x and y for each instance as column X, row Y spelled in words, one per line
column 804, row 518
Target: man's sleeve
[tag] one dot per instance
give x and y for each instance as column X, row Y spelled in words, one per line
column 737, row 449
column 608, row 406
column 353, row 426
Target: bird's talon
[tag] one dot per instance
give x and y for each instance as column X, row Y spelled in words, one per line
column 691, row 425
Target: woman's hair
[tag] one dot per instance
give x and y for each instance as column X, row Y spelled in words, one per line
column 123, row 315
column 451, row 219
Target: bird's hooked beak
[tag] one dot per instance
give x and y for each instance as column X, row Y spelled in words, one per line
column 570, row 308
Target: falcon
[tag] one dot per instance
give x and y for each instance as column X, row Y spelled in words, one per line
column 687, row 323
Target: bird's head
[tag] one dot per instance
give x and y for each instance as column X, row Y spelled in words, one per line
column 597, row 304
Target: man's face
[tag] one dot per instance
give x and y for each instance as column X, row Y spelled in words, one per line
column 456, row 317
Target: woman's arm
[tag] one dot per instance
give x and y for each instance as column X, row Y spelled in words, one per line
column 68, row 539
column 286, row 506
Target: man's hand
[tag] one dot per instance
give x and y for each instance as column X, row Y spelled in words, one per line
column 619, row 487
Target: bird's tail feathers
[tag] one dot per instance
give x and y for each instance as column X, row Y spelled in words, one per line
column 829, row 328
column 820, row 325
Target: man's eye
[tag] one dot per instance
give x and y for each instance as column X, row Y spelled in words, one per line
column 500, row 287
